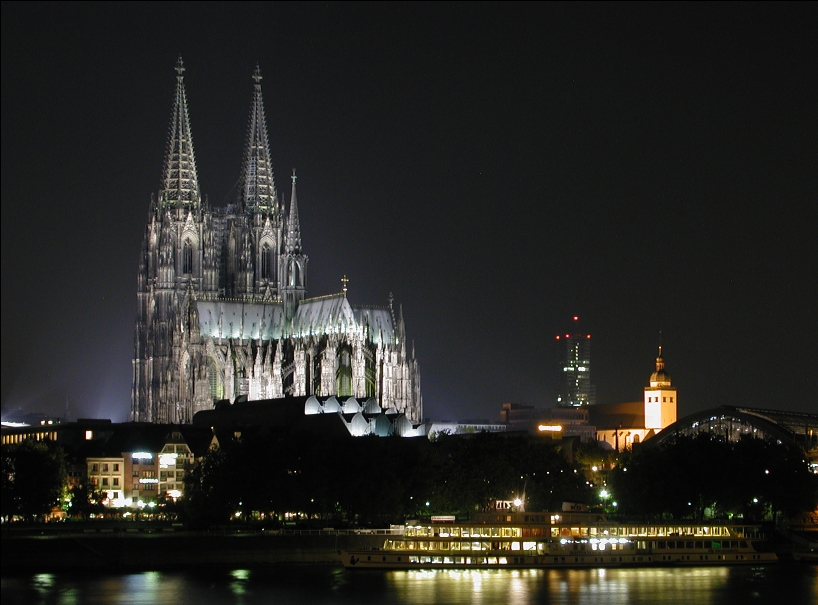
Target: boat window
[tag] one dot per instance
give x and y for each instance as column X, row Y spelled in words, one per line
column 661, row 544
column 689, row 544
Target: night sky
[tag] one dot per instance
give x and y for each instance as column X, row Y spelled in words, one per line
column 498, row 167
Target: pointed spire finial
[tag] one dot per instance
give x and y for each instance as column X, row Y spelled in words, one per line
column 293, row 224
column 259, row 189
column 660, row 362
column 180, row 182
column 344, row 279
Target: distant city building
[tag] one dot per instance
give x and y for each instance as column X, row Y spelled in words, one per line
column 575, row 368
column 617, row 425
column 555, row 422
column 131, row 463
column 734, row 423
column 31, row 419
column 464, row 427
column 222, row 300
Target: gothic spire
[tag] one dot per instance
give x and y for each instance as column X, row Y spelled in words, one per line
column 293, row 225
column 259, row 190
column 180, row 183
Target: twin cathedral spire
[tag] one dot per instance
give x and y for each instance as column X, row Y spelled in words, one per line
column 266, row 259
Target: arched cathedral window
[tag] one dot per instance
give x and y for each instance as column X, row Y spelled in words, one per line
column 216, row 384
column 187, row 257
column 266, row 262
column 343, row 375
column 295, row 274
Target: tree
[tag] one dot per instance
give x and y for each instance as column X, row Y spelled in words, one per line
column 210, row 493
column 85, row 500
column 34, row 478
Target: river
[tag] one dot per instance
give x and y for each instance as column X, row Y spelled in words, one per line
column 784, row 584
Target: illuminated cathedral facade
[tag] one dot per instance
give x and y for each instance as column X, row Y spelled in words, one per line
column 222, row 305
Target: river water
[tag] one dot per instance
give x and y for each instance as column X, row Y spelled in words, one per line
column 781, row 584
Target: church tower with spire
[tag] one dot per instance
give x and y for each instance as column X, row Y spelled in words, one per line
column 660, row 398
column 222, row 307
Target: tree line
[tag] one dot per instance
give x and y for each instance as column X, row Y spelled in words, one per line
column 374, row 481
column 273, row 478
column 708, row 476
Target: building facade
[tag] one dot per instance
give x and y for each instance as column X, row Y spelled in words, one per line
column 222, row 305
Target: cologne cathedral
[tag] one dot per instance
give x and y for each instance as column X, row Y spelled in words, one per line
column 222, row 305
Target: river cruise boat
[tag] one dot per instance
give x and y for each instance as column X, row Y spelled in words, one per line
column 503, row 539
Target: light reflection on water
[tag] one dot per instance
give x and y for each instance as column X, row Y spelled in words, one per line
column 327, row 586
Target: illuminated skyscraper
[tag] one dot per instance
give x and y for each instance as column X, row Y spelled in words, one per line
column 222, row 306
column 575, row 368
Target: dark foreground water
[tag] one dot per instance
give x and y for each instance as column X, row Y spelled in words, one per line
column 784, row 584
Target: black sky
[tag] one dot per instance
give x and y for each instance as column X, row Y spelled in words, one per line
column 498, row 167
